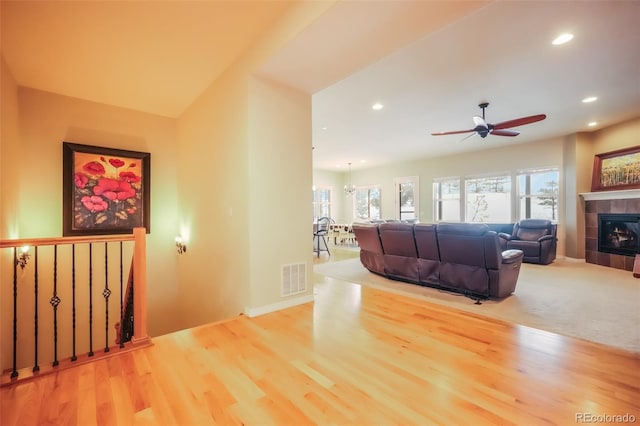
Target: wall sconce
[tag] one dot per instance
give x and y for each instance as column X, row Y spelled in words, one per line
column 181, row 247
column 24, row 257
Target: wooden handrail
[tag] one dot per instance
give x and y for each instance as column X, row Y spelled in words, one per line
column 65, row 240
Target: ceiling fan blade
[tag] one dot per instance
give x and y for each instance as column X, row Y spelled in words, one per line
column 505, row 132
column 455, row 132
column 519, row 121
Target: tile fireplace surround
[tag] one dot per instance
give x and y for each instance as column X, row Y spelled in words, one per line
column 626, row 201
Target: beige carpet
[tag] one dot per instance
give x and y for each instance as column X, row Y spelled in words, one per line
column 572, row 298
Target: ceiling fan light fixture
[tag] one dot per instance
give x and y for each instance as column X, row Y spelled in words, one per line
column 562, row 39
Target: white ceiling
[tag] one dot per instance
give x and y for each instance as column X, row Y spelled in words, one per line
column 429, row 62
column 502, row 54
column 151, row 56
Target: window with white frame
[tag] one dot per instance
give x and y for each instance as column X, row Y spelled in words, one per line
column 321, row 202
column 407, row 198
column 367, row 203
column 446, row 199
column 538, row 193
column 488, row 199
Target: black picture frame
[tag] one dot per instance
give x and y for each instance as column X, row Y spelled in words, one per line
column 104, row 190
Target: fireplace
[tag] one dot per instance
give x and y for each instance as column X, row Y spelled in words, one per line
column 616, row 206
column 619, row 233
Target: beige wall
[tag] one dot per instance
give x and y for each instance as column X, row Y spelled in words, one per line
column 10, row 146
column 280, row 178
column 244, row 169
column 31, row 176
column 571, row 207
column 619, row 136
column 213, row 204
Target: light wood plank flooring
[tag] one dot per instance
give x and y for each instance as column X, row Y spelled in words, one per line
column 357, row 356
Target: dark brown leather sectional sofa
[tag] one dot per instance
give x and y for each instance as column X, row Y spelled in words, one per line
column 462, row 257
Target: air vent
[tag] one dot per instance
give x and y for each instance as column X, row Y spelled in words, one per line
column 294, row 279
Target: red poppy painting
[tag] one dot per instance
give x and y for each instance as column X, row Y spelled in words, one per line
column 105, row 191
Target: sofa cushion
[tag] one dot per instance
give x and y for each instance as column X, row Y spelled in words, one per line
column 462, row 256
column 428, row 253
column 397, row 239
column 400, row 255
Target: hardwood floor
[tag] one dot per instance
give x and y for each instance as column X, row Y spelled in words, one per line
column 356, row 356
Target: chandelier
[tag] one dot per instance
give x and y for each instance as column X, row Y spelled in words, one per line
column 350, row 188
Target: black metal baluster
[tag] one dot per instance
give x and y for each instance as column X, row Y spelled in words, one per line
column 73, row 292
column 121, row 298
column 55, row 301
column 14, row 373
column 128, row 320
column 90, row 299
column 106, row 293
column 36, row 367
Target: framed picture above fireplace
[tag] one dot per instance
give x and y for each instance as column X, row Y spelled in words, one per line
column 616, row 170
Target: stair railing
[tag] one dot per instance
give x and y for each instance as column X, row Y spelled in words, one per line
column 77, row 277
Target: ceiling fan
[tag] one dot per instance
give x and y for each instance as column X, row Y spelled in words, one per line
column 499, row 129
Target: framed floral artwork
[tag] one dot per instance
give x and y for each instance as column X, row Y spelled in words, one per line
column 616, row 170
column 105, row 190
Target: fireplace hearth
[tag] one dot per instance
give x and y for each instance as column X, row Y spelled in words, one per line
column 619, row 234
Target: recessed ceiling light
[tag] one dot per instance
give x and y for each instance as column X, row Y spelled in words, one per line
column 377, row 106
column 593, row 123
column 323, row 128
column 562, row 39
column 363, row 161
column 590, row 99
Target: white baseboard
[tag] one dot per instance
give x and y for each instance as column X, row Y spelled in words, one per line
column 571, row 259
column 261, row 310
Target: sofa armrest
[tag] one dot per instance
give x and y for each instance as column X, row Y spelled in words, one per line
column 546, row 238
column 512, row 256
column 505, row 236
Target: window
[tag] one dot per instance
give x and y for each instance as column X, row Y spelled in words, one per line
column 367, row 203
column 407, row 192
column 538, row 194
column 446, row 199
column 488, row 199
column 321, row 202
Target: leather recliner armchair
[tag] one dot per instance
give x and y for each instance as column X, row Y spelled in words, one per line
column 535, row 237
